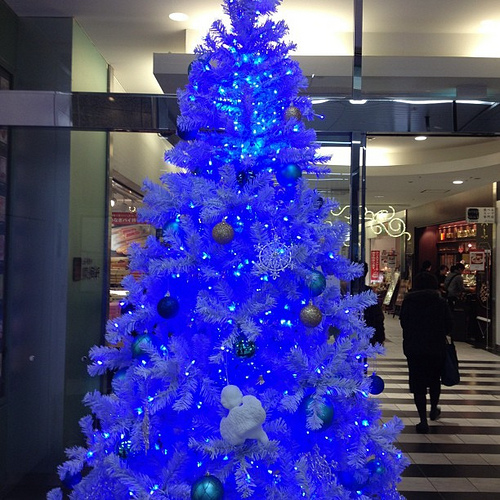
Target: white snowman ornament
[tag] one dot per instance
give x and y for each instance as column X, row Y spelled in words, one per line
column 245, row 417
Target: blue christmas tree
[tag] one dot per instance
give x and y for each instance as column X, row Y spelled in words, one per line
column 237, row 366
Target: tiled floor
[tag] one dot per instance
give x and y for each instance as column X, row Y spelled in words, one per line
column 460, row 457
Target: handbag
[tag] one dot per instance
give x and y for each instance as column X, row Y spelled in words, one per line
column 450, row 374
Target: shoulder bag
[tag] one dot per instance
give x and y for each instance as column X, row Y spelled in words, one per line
column 450, row 375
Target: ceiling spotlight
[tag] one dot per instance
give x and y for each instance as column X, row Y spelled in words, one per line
column 458, row 181
column 421, row 138
column 178, row 16
column 357, row 101
column 112, row 202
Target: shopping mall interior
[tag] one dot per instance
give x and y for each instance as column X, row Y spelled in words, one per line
column 405, row 98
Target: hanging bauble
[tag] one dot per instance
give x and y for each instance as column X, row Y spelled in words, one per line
column 172, row 226
column 245, row 176
column 324, row 411
column 140, row 344
column 377, row 384
column 287, row 176
column 119, row 375
column 376, row 467
column 223, row 233
column 168, row 307
column 316, row 283
column 310, row 315
column 123, row 446
column 187, row 135
column 348, row 480
column 207, row 488
column 293, row 112
column 244, row 348
column 71, row 480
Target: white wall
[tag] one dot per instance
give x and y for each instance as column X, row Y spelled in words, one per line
column 137, row 156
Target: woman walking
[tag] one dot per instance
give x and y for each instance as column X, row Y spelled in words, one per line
column 426, row 319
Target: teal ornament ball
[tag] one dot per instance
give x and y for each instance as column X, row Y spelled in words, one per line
column 207, row 488
column 119, row 375
column 377, row 384
column 324, row 411
column 287, row 176
column 168, row 307
column 316, row 282
column 244, row 348
column 376, row 467
column 223, row 233
column 172, row 226
column 140, row 343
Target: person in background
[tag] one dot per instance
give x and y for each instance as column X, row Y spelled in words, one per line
column 426, row 320
column 454, row 285
column 426, row 266
column 443, row 271
column 374, row 316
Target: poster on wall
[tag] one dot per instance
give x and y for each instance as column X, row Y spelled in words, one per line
column 477, row 260
column 374, row 265
column 125, row 230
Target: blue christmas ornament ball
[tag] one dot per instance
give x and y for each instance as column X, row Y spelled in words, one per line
column 325, row 411
column 377, row 385
column 348, row 480
column 375, row 466
column 288, row 175
column 207, row 488
column 172, row 225
column 71, row 480
column 316, row 283
column 168, row 307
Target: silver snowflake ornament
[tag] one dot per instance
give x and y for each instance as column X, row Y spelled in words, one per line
column 274, row 257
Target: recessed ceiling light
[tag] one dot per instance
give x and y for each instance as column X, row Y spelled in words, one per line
column 357, row 101
column 458, row 181
column 178, row 16
column 421, row 138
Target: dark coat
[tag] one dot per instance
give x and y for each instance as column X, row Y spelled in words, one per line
column 426, row 319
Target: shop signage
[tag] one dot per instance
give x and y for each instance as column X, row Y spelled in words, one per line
column 374, row 265
column 477, row 260
column 123, row 218
column 481, row 215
